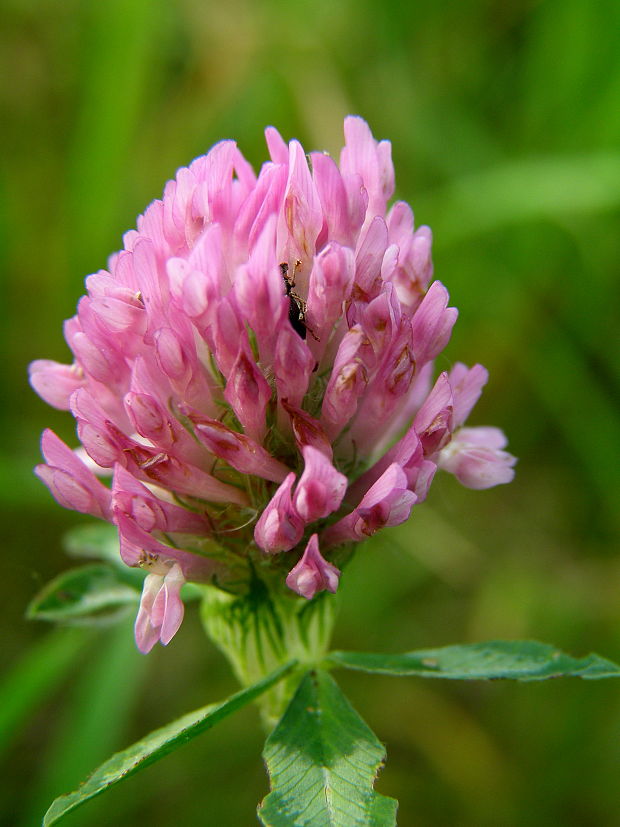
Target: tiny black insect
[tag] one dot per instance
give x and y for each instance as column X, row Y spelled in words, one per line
column 297, row 306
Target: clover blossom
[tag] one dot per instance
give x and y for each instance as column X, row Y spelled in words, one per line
column 255, row 368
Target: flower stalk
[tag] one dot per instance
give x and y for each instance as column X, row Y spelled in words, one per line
column 265, row 629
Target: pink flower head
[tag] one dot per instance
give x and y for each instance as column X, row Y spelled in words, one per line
column 255, row 369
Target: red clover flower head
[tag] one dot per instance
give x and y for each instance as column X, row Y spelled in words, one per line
column 255, row 370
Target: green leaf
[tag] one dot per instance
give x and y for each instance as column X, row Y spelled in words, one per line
column 158, row 744
column 95, row 541
column 522, row 660
column 524, row 189
column 92, row 720
column 35, row 676
column 322, row 760
column 94, row 593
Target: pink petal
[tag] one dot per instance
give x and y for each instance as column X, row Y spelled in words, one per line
column 434, row 421
column 301, row 217
column 238, row 450
column 432, row 324
column 475, row 457
column 293, row 366
column 248, row 393
column 307, row 430
column 70, row 481
column 333, row 196
column 146, row 634
column 136, row 542
column 466, row 384
column 320, row 489
column 330, row 285
column 149, row 512
column 278, row 150
column 386, row 503
column 279, row 527
column 313, row 573
column 173, row 605
column 369, row 255
column 347, row 383
column 260, row 293
column 55, row 382
column 372, row 161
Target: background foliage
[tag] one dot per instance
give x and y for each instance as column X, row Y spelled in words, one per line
column 505, row 126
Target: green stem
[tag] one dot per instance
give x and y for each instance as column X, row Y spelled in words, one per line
column 263, row 630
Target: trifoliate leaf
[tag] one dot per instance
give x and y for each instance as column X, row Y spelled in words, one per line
column 96, row 541
column 522, row 660
column 322, row 760
column 156, row 745
column 96, row 593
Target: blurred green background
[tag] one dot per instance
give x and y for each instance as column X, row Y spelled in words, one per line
column 505, row 124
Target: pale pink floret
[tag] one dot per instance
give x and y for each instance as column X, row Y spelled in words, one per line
column 434, row 420
column 387, row 502
column 55, row 382
column 432, row 324
column 338, row 215
column 467, row 384
column 413, row 267
column 226, row 336
column 320, row 489
column 279, row 527
column 194, row 286
column 158, row 426
column 380, row 321
column 369, row 254
column 371, row 160
column 177, row 476
column 142, row 548
column 161, row 608
column 307, row 430
column 259, row 292
column 248, row 394
column 388, row 390
column 70, row 481
column 476, row 458
column 347, row 383
column 107, row 444
column 474, row 455
column 300, row 218
column 119, row 307
column 407, row 453
column 329, row 288
column 293, row 366
column 131, row 497
column 236, row 449
column 313, row 573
